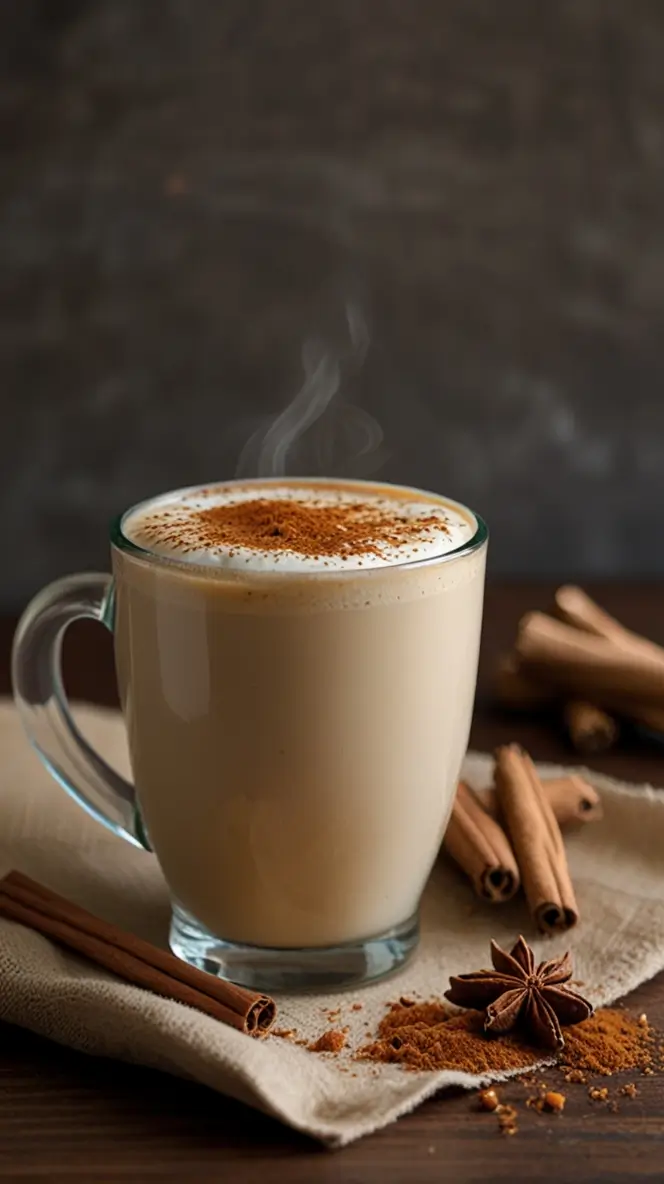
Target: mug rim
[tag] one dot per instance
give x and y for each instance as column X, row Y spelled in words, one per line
column 121, row 542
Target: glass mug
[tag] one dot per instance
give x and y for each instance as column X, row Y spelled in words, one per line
column 295, row 740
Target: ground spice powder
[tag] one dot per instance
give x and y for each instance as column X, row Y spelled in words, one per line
column 321, row 529
column 331, row 1041
column 607, row 1043
column 428, row 1036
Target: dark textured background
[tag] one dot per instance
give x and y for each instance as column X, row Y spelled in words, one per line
column 189, row 189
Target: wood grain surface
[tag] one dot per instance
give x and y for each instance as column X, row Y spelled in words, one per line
column 66, row 1117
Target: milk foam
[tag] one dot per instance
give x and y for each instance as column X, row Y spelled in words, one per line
column 170, row 525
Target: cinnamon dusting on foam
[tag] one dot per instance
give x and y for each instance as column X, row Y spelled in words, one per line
column 307, row 528
column 299, row 525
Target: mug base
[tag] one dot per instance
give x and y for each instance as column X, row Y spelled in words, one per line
column 260, row 968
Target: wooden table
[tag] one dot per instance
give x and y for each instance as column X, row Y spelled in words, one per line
column 66, row 1117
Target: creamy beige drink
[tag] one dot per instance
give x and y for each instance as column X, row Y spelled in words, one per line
column 297, row 673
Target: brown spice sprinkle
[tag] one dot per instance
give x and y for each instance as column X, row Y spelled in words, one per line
column 488, row 1099
column 607, row 1043
column 630, row 1090
column 535, row 1102
column 284, row 1033
column 332, row 1041
column 554, row 1101
column 507, row 1116
column 308, row 527
column 597, row 1094
column 406, row 1011
column 428, row 1036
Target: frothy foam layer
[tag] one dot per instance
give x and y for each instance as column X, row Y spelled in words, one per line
column 299, row 526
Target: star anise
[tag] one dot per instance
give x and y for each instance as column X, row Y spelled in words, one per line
column 517, row 991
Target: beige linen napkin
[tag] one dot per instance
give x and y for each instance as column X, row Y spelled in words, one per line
column 617, row 869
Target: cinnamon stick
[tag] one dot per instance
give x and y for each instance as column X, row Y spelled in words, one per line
column 480, row 846
column 586, row 664
column 590, row 728
column 572, row 799
column 32, row 904
column 513, row 688
column 567, row 656
column 536, row 839
column 577, row 608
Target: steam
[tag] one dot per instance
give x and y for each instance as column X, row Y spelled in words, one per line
column 337, row 433
column 322, row 376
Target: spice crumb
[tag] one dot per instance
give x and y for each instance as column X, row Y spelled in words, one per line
column 357, row 1007
column 554, row 1101
column 630, row 1090
column 488, row 1099
column 332, row 1041
column 507, row 1116
column 598, row 1094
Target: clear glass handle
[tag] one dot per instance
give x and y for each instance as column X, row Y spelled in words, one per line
column 40, row 698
